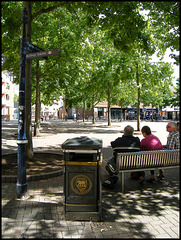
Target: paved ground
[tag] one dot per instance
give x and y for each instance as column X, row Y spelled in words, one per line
column 150, row 210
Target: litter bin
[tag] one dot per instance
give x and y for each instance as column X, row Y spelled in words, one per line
column 82, row 178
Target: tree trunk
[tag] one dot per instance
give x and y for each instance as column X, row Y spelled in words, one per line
column 138, row 106
column 38, row 103
column 121, row 119
column 93, row 114
column 152, row 112
column 83, row 117
column 29, row 146
column 109, row 108
column 77, row 115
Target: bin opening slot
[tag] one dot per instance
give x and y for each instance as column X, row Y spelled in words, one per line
column 81, row 157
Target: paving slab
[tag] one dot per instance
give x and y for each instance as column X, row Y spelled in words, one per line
column 150, row 210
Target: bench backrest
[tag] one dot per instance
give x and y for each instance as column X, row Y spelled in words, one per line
column 125, row 149
column 147, row 159
column 117, row 150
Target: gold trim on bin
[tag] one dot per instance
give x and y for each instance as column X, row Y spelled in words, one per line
column 82, row 163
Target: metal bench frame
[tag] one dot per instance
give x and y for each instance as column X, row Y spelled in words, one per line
column 146, row 160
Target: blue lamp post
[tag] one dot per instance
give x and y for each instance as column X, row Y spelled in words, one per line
column 21, row 185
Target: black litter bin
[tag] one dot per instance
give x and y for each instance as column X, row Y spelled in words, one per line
column 82, row 178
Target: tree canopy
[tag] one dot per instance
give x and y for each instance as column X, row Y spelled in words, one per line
column 100, row 45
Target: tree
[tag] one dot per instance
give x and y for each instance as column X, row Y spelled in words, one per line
column 176, row 98
column 165, row 20
column 129, row 35
column 16, row 97
column 101, row 75
column 35, row 10
column 11, row 32
column 172, row 97
column 126, row 95
column 156, row 79
column 108, row 25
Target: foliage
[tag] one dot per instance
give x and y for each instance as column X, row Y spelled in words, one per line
column 100, row 45
column 16, row 97
column 164, row 18
column 174, row 100
column 158, row 83
column 11, row 32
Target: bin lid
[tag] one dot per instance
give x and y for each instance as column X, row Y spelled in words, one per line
column 88, row 143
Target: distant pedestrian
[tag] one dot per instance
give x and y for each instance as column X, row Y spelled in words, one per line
column 75, row 116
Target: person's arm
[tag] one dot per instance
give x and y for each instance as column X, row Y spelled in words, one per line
column 114, row 143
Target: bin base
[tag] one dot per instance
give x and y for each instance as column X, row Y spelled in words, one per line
column 83, row 216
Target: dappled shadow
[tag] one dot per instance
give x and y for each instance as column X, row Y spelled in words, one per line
column 42, row 213
column 42, row 216
column 74, row 127
column 38, row 218
column 46, row 219
column 9, row 130
column 139, row 203
column 142, row 200
column 42, row 163
column 7, row 149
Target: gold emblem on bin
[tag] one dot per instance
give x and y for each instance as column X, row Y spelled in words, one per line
column 81, row 184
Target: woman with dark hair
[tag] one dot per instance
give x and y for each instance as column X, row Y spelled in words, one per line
column 150, row 143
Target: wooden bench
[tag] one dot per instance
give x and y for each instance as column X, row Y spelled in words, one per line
column 144, row 161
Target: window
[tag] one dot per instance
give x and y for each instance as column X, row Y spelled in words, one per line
column 7, row 96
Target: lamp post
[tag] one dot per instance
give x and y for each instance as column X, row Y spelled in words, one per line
column 35, row 51
column 21, row 185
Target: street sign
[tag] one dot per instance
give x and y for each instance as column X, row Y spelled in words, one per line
column 33, row 48
column 42, row 54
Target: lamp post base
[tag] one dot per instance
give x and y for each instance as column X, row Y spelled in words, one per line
column 21, row 190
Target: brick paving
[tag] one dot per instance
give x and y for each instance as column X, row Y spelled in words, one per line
column 150, row 210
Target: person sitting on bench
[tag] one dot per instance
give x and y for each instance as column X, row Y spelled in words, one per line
column 150, row 143
column 126, row 143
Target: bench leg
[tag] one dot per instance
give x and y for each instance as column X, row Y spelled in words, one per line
column 122, row 181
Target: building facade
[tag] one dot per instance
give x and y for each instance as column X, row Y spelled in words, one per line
column 49, row 112
column 7, row 96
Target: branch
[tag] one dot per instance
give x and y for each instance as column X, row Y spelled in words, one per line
column 43, row 74
column 48, row 9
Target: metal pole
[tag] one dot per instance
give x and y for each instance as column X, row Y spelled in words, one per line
column 21, row 186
